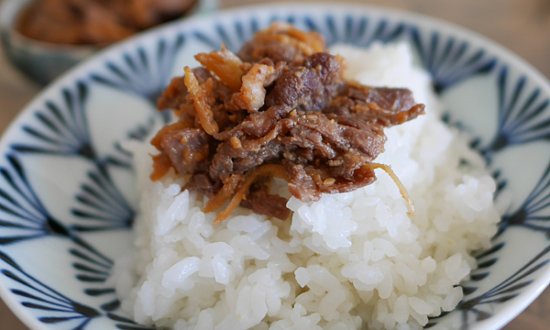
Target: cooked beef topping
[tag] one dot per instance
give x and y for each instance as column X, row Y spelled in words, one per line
column 282, row 42
column 281, row 108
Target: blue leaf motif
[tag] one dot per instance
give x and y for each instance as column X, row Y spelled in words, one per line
column 358, row 31
column 213, row 44
column 21, row 210
column 509, row 288
column 93, row 268
column 142, row 131
column 123, row 158
column 232, row 35
column 61, row 129
column 534, row 213
column 53, row 305
column 143, row 73
column 504, row 291
column 102, row 206
column 521, row 113
column 448, row 60
column 22, row 213
column 127, row 324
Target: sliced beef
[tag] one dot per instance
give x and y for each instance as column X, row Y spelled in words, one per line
column 298, row 118
column 260, row 201
column 282, row 42
column 188, row 150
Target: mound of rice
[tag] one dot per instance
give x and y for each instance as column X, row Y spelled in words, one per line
column 349, row 261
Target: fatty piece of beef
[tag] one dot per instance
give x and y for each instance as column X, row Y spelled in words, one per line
column 251, row 96
column 344, row 141
column 307, row 86
column 320, row 130
column 188, row 149
column 260, row 201
column 282, row 42
column 308, row 182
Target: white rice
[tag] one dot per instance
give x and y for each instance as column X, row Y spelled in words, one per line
column 346, row 262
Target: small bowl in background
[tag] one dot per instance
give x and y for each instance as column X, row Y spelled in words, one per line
column 41, row 61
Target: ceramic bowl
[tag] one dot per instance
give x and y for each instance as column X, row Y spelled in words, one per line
column 67, row 201
column 42, row 62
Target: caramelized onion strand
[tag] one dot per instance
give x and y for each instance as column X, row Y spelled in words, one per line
column 225, row 65
column 399, row 184
column 161, row 166
column 224, row 194
column 200, row 97
column 272, row 170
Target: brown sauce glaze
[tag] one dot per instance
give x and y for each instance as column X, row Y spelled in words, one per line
column 289, row 114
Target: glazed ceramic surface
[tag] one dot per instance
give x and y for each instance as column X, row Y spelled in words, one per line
column 67, row 200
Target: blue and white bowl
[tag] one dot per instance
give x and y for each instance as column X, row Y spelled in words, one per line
column 66, row 197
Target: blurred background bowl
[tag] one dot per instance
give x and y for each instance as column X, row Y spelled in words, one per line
column 41, row 61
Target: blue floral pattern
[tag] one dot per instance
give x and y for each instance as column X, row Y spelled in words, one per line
column 448, row 60
column 24, row 215
column 103, row 207
column 142, row 73
column 521, row 113
column 60, row 128
column 533, row 213
column 39, row 296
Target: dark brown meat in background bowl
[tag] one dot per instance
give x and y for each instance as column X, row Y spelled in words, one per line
column 95, row 22
column 56, row 48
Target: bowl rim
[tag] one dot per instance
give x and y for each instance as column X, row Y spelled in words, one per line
column 506, row 314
